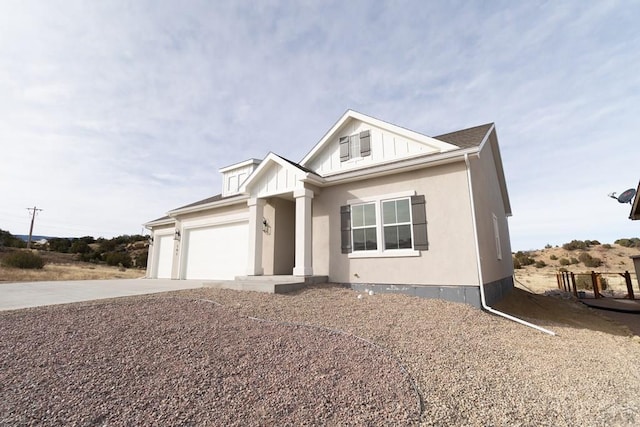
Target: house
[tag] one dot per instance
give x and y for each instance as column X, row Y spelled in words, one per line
column 372, row 205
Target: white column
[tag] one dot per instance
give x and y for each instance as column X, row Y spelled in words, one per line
column 256, row 214
column 303, row 198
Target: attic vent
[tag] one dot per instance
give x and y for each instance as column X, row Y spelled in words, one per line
column 355, row 146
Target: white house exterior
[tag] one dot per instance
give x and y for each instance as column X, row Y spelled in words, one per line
column 371, row 205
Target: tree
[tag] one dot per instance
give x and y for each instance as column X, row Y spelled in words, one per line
column 58, row 244
column 9, row 240
column 79, row 247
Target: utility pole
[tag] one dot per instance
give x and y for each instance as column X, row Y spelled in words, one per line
column 33, row 218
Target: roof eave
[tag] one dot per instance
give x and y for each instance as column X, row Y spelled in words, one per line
column 227, row 201
column 158, row 223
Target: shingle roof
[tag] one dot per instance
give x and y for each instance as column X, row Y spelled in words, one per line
column 298, row 165
column 466, row 138
column 211, row 199
column 164, row 218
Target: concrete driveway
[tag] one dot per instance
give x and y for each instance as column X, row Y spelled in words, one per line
column 33, row 294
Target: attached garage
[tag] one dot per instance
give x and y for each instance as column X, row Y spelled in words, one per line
column 215, row 252
column 164, row 256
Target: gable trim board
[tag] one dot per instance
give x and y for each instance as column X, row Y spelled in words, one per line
column 294, row 216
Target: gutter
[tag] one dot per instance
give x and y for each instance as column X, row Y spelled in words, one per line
column 483, row 300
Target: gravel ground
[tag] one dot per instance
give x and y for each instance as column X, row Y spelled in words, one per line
column 172, row 361
column 184, row 362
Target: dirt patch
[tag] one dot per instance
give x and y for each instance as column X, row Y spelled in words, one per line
column 561, row 309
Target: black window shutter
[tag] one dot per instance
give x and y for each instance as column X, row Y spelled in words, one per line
column 344, row 148
column 419, row 217
column 345, row 228
column 365, row 143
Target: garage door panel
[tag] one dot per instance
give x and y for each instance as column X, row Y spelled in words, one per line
column 164, row 246
column 218, row 252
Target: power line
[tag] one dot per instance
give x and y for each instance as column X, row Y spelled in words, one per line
column 33, row 218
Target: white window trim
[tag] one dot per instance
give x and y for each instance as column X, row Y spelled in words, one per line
column 381, row 252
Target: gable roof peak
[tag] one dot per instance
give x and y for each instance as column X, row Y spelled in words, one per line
column 352, row 114
column 467, row 138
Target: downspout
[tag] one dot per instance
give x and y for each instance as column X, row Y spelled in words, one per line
column 483, row 300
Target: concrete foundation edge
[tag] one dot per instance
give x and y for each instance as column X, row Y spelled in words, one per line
column 467, row 294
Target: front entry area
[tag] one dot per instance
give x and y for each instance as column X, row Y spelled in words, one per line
column 215, row 252
column 279, row 236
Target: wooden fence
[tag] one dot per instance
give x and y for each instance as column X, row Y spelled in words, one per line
column 567, row 282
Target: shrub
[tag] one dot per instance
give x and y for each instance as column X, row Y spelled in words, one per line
column 117, row 258
column 590, row 261
column 524, row 258
column 9, row 240
column 58, row 244
column 564, row 261
column 593, row 262
column 540, row 264
column 142, row 257
column 548, row 246
column 90, row 257
column 553, row 258
column 607, row 246
column 79, row 247
column 23, row 259
column 583, row 281
column 516, row 264
column 574, row 244
column 574, row 260
column 563, row 269
column 107, row 245
column 633, row 242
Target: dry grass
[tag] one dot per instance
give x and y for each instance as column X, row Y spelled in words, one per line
column 54, row 272
column 65, row 267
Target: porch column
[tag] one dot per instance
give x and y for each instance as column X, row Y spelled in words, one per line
column 303, row 198
column 256, row 214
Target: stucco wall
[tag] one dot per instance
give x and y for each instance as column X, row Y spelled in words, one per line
column 450, row 259
column 488, row 202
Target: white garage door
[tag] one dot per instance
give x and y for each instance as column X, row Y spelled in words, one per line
column 218, row 252
column 164, row 259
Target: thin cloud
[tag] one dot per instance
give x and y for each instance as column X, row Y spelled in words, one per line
column 113, row 113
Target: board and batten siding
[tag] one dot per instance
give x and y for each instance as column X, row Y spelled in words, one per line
column 384, row 146
column 276, row 179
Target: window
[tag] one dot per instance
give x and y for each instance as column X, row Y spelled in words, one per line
column 363, row 220
column 396, row 217
column 496, row 234
column 385, row 227
column 355, row 146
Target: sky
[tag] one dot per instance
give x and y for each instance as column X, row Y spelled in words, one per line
column 113, row 113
